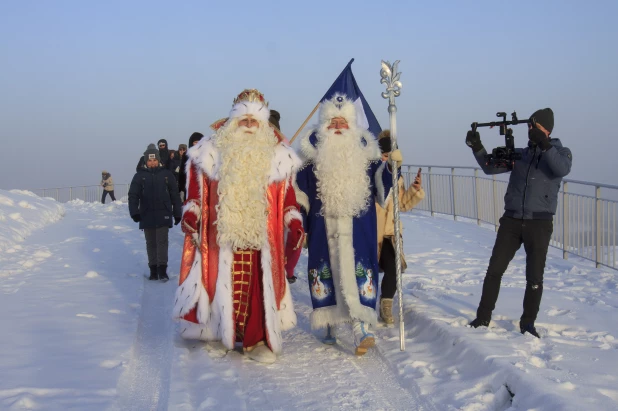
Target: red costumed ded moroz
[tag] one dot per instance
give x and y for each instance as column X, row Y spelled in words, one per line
column 240, row 209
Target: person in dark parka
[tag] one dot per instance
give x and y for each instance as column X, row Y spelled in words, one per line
column 154, row 203
column 182, row 173
column 164, row 153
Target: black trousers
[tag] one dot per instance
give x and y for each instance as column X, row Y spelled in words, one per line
column 535, row 236
column 387, row 264
column 105, row 193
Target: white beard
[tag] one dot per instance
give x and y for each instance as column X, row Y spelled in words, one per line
column 341, row 168
column 243, row 181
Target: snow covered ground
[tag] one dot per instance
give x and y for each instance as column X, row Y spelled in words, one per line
column 84, row 330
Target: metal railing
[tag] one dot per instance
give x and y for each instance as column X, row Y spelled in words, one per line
column 584, row 224
column 88, row 194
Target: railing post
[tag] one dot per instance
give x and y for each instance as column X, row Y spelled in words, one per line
column 565, row 220
column 430, row 194
column 453, row 193
column 597, row 197
column 495, row 193
column 57, row 196
column 84, row 193
column 476, row 196
column 70, row 193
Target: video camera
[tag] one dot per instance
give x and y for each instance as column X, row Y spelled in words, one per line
column 504, row 156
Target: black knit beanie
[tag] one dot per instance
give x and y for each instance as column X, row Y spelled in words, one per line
column 274, row 119
column 151, row 152
column 545, row 117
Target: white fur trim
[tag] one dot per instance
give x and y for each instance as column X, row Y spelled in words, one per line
column 193, row 331
column 287, row 315
column 192, row 292
column 301, row 197
column 223, row 306
column 338, row 314
column 284, row 164
column 380, row 184
column 254, row 108
column 341, row 252
column 292, row 215
column 330, row 109
column 276, row 320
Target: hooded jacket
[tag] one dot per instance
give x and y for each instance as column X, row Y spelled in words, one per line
column 107, row 182
column 154, row 196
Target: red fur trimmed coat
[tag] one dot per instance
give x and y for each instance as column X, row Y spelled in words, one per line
column 204, row 300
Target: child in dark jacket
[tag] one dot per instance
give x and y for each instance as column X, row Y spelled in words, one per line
column 153, row 203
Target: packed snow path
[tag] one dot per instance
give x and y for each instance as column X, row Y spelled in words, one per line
column 83, row 329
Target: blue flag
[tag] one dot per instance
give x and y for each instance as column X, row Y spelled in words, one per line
column 346, row 84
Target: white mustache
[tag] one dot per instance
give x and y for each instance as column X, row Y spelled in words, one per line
column 248, row 130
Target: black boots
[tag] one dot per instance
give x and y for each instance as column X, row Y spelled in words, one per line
column 162, row 272
column 479, row 323
column 528, row 328
column 153, row 273
column 158, row 272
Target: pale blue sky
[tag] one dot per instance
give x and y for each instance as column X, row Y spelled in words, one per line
column 86, row 85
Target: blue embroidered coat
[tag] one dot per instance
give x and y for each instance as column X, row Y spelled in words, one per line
column 343, row 258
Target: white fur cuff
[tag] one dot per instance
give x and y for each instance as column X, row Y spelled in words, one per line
column 292, row 215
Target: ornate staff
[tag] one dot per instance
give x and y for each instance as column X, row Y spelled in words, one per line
column 390, row 77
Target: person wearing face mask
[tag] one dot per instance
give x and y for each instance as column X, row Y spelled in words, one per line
column 529, row 206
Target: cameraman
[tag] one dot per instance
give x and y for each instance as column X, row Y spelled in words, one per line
column 529, row 206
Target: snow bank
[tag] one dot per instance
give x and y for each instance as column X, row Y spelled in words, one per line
column 22, row 212
column 572, row 366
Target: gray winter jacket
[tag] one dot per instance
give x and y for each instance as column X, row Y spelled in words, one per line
column 535, row 180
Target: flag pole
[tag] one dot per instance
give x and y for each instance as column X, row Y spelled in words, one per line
column 305, row 123
column 390, row 77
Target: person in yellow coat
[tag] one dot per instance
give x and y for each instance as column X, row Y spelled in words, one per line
column 408, row 199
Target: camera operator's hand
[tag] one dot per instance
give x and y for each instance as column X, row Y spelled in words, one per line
column 473, row 140
column 539, row 138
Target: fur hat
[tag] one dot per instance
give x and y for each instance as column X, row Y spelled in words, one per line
column 338, row 106
column 250, row 102
column 274, row 119
column 545, row 117
column 151, row 152
column 182, row 147
column 384, row 141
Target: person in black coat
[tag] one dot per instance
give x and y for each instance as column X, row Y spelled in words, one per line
column 182, row 173
column 154, row 203
column 164, row 153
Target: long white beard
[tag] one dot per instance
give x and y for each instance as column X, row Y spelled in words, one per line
column 341, row 168
column 243, row 181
